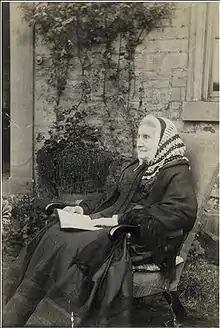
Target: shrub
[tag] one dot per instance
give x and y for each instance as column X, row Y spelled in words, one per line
column 75, row 160
column 72, row 167
column 6, row 215
column 26, row 219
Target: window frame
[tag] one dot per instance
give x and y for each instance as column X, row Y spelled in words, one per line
column 199, row 105
column 212, row 29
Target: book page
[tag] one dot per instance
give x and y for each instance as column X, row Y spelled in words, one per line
column 75, row 221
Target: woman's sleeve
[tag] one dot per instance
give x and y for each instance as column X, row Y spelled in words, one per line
column 177, row 208
column 99, row 202
column 93, row 203
column 90, row 203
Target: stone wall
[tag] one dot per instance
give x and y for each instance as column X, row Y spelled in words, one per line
column 6, row 89
column 211, row 221
column 160, row 85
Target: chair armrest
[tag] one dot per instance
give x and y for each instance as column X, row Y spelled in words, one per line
column 49, row 208
column 135, row 229
column 116, row 231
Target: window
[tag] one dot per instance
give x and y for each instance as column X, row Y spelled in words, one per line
column 203, row 65
column 211, row 54
column 214, row 76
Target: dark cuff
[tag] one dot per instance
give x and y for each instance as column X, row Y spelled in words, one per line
column 86, row 209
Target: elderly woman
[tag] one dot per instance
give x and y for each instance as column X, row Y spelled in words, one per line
column 63, row 270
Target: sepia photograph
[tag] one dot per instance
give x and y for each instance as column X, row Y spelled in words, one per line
column 110, row 164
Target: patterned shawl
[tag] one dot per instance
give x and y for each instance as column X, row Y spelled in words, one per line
column 170, row 147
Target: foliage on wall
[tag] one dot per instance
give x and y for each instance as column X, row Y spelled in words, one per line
column 75, row 30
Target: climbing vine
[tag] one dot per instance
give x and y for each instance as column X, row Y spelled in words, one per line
column 74, row 30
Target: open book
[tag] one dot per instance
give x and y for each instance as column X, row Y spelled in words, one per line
column 75, row 221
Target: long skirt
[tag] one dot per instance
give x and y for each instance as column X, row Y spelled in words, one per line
column 48, row 290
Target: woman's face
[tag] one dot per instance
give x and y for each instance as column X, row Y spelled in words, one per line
column 147, row 142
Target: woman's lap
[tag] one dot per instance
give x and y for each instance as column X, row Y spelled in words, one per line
column 49, row 256
column 48, row 262
column 57, row 247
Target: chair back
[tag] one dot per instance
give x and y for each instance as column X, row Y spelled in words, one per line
column 202, row 151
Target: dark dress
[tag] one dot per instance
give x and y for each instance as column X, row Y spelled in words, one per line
column 53, row 278
column 169, row 197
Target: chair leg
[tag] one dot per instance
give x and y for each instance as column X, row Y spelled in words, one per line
column 173, row 300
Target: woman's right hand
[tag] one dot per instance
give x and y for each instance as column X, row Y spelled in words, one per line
column 107, row 222
column 74, row 209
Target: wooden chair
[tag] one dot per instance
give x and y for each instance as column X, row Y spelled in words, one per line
column 202, row 150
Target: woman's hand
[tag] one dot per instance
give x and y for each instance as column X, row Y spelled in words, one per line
column 95, row 216
column 74, row 209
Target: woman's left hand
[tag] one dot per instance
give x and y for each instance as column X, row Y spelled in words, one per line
column 73, row 209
